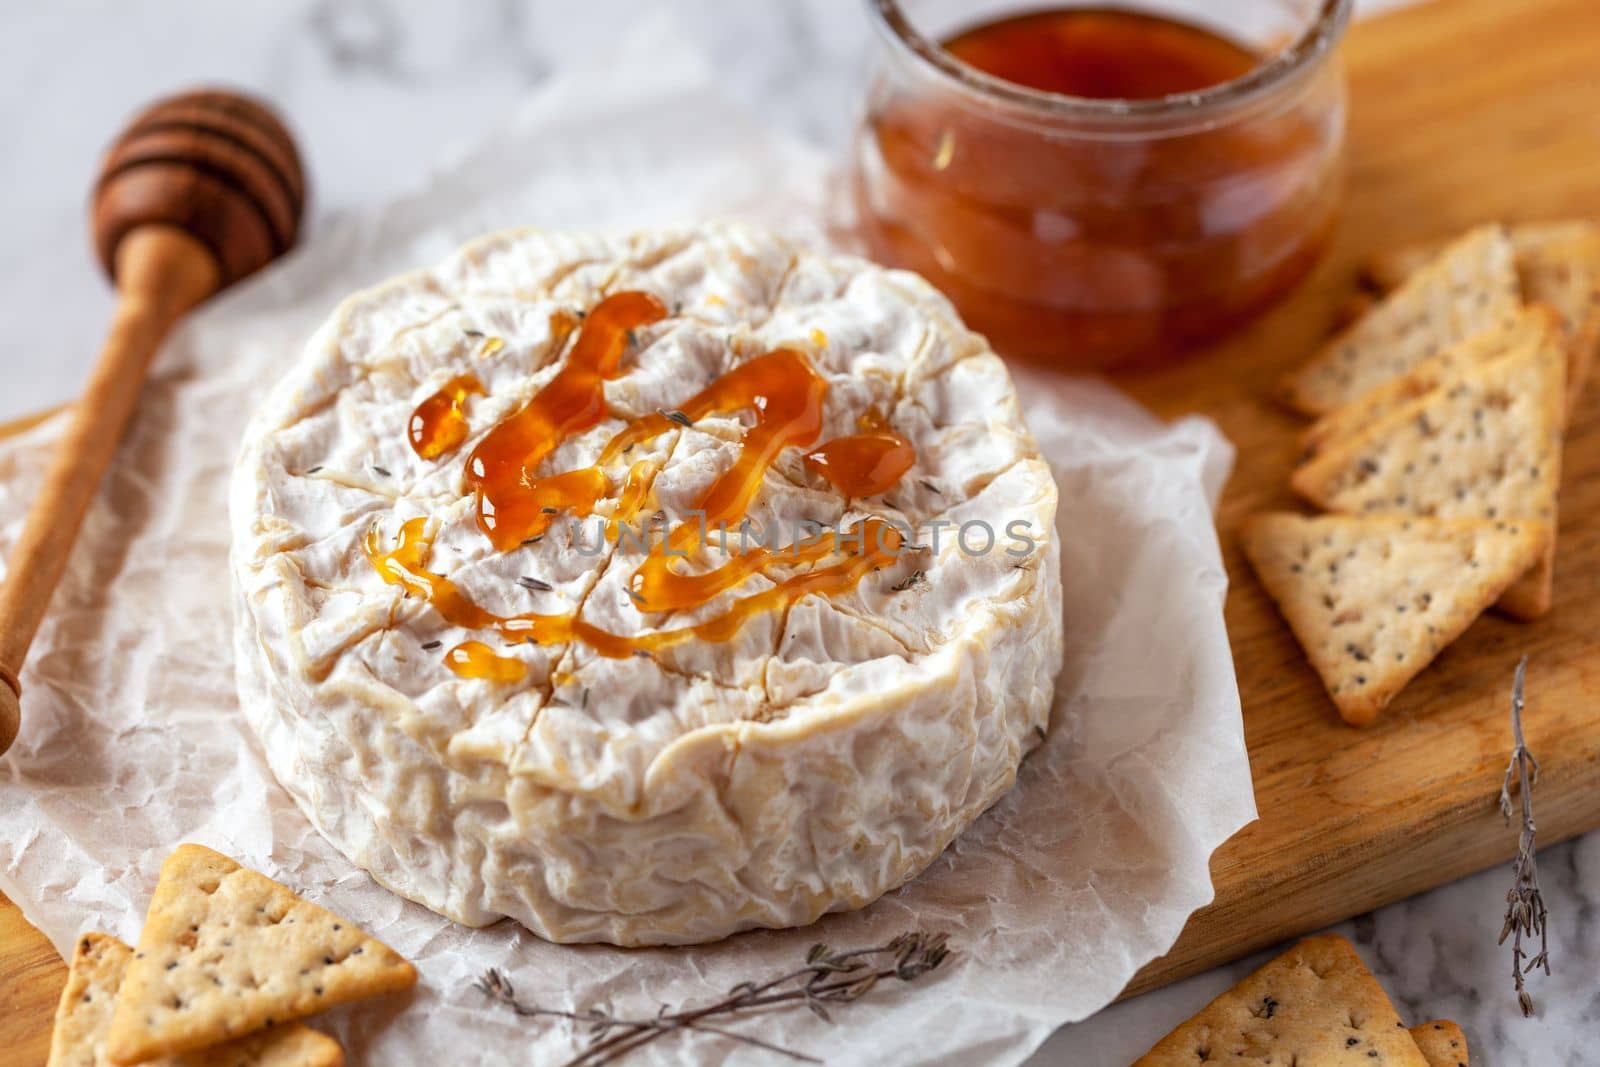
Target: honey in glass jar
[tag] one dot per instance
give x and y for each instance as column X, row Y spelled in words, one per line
column 1098, row 187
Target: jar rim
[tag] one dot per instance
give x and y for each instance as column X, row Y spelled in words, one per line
column 1317, row 40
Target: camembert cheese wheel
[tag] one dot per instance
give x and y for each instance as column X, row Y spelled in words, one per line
column 645, row 588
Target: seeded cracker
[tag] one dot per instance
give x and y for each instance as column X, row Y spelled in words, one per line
column 98, row 966
column 1558, row 263
column 1442, row 1042
column 1487, row 446
column 1373, row 601
column 1471, row 286
column 1523, row 329
column 227, row 951
column 1316, row 1005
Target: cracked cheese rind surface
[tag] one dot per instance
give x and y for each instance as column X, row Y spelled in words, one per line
column 821, row 757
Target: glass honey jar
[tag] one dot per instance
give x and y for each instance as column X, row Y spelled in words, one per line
column 1103, row 187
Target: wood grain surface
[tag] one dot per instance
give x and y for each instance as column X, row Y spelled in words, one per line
column 1462, row 110
column 31, row 977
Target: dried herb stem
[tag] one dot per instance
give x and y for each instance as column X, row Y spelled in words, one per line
column 1525, row 909
column 826, row 978
column 498, row 987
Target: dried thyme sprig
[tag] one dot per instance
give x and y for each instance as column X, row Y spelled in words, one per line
column 828, row 977
column 1525, row 910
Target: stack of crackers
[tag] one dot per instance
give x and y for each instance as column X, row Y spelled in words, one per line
column 228, row 959
column 1436, row 452
column 1316, row 1004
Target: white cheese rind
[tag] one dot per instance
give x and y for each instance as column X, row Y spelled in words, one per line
column 821, row 758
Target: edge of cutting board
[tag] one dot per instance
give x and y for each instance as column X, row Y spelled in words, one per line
column 1464, row 111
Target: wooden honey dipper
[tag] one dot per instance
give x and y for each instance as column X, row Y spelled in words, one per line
column 199, row 191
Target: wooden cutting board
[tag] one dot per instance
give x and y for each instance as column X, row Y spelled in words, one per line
column 1462, row 110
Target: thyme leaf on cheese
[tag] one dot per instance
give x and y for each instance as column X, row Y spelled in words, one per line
column 910, row 581
column 827, row 978
column 1526, row 914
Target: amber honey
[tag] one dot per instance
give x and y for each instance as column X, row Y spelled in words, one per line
column 439, row 424
column 518, row 499
column 474, row 659
column 1102, row 54
column 866, row 463
column 1096, row 187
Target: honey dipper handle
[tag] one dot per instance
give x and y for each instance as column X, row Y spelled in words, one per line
column 161, row 273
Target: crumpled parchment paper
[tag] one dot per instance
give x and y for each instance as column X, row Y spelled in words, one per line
column 132, row 741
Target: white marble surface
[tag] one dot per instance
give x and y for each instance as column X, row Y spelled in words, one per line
column 378, row 89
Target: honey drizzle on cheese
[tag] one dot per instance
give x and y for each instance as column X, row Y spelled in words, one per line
column 515, row 504
column 865, row 547
column 474, row 659
column 439, row 424
column 866, row 463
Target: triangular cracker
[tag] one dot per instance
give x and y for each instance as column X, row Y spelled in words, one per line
column 98, row 965
column 1468, row 288
column 1523, row 329
column 226, row 951
column 1373, row 601
column 1486, row 446
column 1558, row 263
column 1315, row 1004
column 1530, row 596
column 1442, row 1043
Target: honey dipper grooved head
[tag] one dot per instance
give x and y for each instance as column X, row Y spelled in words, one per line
column 216, row 164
